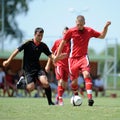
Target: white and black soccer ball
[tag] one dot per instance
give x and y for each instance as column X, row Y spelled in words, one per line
column 76, row 100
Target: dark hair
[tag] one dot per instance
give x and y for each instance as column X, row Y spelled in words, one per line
column 66, row 28
column 39, row 29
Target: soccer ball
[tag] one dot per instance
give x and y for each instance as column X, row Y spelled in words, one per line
column 76, row 100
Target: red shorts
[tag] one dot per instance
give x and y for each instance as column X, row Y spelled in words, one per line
column 62, row 73
column 78, row 65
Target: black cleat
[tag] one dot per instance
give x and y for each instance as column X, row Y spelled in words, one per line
column 51, row 103
column 21, row 84
column 90, row 102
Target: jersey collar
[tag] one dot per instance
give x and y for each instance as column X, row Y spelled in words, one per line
column 36, row 43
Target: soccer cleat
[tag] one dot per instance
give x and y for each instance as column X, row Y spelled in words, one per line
column 56, row 100
column 51, row 103
column 90, row 102
column 21, row 84
column 61, row 102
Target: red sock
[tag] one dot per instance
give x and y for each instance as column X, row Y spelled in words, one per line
column 60, row 90
column 88, row 85
column 74, row 89
column 81, row 92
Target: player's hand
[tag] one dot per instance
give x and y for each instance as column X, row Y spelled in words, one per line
column 60, row 57
column 63, row 55
column 108, row 23
column 5, row 63
column 55, row 59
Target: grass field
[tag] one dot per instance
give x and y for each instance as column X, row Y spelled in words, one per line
column 105, row 108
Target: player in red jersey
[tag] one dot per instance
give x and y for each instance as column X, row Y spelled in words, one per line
column 78, row 59
column 61, row 68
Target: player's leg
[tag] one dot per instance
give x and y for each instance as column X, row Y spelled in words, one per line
column 74, row 86
column 27, row 82
column 60, row 90
column 88, row 85
column 62, row 77
column 30, row 87
column 85, row 68
column 21, row 84
column 44, row 81
column 74, row 72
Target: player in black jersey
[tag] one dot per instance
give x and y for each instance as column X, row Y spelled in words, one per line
column 32, row 69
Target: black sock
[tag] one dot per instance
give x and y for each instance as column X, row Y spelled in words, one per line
column 48, row 93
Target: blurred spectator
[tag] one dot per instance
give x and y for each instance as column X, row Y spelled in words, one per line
column 99, row 86
column 2, row 81
column 10, row 83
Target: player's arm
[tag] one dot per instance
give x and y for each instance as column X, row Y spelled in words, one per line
column 48, row 65
column 8, row 61
column 49, row 62
column 105, row 29
column 60, row 48
column 52, row 56
column 59, row 57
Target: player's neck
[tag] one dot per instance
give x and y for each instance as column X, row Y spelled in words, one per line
column 36, row 42
column 81, row 30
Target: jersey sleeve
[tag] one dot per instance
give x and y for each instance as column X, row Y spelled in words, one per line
column 22, row 46
column 67, row 36
column 46, row 50
column 95, row 33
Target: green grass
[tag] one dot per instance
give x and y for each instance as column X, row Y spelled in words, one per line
column 37, row 109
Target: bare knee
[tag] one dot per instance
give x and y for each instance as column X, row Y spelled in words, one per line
column 74, row 82
column 45, row 84
column 86, row 74
column 44, row 81
column 30, row 87
column 74, row 85
column 62, row 83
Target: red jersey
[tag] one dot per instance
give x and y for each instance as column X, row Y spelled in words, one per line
column 79, row 40
column 66, row 49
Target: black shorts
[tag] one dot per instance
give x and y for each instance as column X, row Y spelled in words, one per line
column 33, row 76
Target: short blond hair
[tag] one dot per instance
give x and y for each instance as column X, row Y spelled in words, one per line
column 80, row 17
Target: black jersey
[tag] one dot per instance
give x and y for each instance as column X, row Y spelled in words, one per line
column 32, row 54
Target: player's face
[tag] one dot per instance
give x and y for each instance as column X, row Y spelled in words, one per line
column 38, row 36
column 80, row 23
column 64, row 31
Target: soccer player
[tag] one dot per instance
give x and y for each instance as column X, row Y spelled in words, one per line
column 61, row 69
column 33, row 71
column 78, row 59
